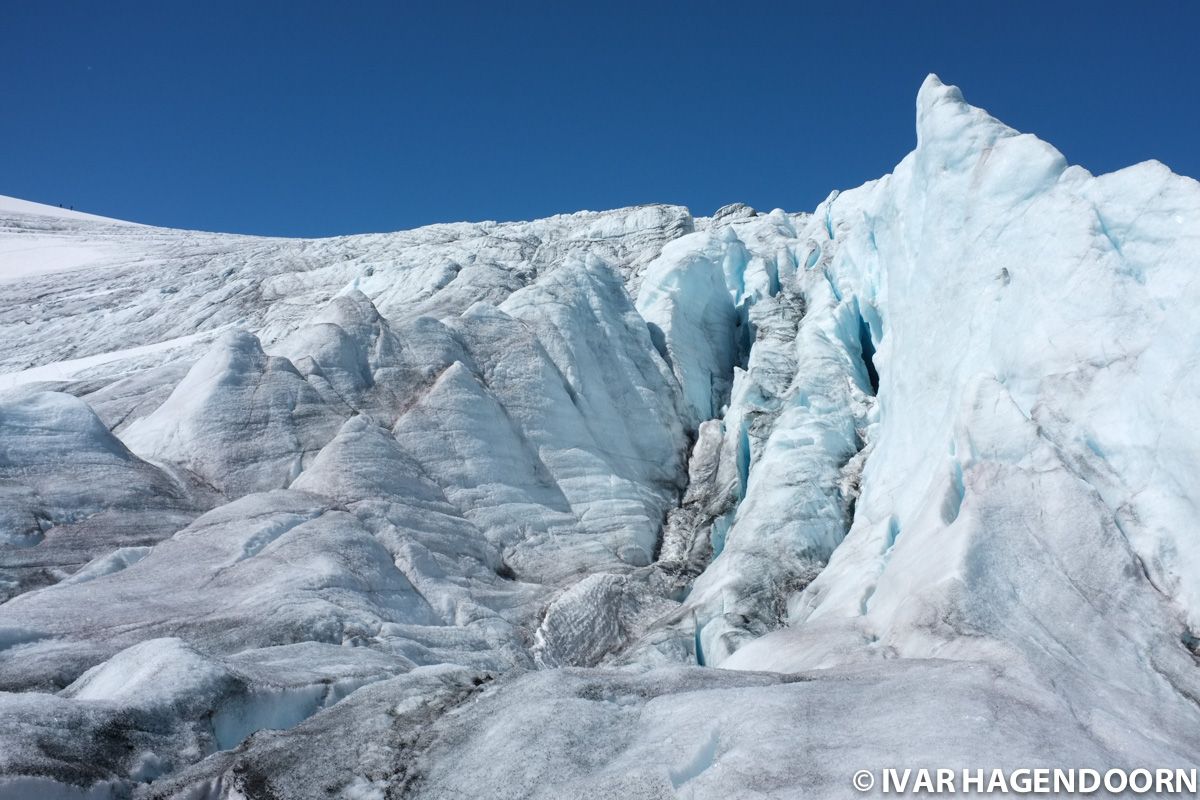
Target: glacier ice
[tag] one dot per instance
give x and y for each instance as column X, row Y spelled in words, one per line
column 72, row 491
column 611, row 504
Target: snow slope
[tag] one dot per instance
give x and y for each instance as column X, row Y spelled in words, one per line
column 44, row 243
column 15, row 207
column 618, row 504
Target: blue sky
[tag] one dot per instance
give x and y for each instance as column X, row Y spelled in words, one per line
column 307, row 119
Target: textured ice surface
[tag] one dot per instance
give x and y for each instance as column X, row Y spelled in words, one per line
column 70, row 491
column 619, row 504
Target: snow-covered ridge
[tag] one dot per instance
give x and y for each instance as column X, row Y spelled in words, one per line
column 913, row 470
column 15, row 207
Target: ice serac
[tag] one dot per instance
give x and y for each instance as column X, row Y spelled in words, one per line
column 1015, row 507
column 72, row 492
column 475, row 509
column 241, row 420
column 688, row 304
column 559, row 421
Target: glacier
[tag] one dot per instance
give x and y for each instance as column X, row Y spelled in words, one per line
column 624, row 504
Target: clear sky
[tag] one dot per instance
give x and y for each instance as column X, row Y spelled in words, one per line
column 305, row 119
